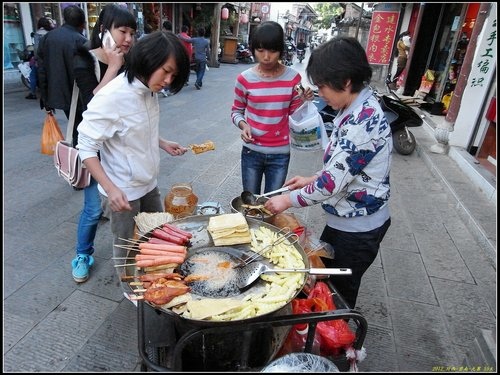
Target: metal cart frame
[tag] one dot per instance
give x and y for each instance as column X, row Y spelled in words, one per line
column 171, row 350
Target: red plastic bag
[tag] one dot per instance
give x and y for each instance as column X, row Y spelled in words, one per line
column 335, row 335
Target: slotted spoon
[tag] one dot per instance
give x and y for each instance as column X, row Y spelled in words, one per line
column 251, row 272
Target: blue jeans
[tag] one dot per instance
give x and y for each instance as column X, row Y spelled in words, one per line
column 89, row 218
column 255, row 165
column 354, row 250
column 201, row 66
column 33, row 79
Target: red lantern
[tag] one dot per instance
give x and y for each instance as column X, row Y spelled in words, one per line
column 224, row 14
column 244, row 18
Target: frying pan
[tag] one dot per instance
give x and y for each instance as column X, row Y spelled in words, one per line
column 201, row 240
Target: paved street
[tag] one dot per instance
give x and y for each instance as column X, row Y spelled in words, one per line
column 426, row 298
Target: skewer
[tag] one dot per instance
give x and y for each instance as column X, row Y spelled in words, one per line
column 125, row 265
column 131, row 241
column 133, row 297
column 131, row 258
column 126, row 247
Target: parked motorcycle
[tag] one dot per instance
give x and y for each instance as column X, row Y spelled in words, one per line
column 399, row 115
column 301, row 54
column 243, row 54
column 24, row 65
column 25, row 69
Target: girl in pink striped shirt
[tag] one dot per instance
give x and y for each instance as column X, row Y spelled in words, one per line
column 264, row 98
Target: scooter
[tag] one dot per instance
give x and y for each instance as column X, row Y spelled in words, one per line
column 399, row 115
column 25, row 69
column 289, row 53
column 243, row 54
column 301, row 54
column 24, row 66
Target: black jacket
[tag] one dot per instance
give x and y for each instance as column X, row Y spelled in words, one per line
column 55, row 55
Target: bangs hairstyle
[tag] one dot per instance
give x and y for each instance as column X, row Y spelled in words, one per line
column 151, row 52
column 111, row 16
column 268, row 35
column 337, row 61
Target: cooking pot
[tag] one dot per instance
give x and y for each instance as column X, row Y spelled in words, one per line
column 216, row 352
column 236, row 206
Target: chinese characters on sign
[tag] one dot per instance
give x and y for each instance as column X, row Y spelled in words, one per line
column 487, row 57
column 381, row 37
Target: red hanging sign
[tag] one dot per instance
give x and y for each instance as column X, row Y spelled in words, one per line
column 381, row 37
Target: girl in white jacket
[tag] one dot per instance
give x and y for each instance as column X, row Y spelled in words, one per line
column 127, row 135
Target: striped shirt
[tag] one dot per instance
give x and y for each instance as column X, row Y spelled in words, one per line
column 265, row 104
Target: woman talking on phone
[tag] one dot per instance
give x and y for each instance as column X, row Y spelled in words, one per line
column 112, row 37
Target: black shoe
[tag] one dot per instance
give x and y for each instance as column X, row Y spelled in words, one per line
column 31, row 96
column 197, row 86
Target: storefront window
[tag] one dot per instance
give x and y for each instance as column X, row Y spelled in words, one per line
column 13, row 36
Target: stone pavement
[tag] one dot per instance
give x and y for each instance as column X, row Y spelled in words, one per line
column 429, row 296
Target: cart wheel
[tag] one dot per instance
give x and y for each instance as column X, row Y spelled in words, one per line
column 402, row 143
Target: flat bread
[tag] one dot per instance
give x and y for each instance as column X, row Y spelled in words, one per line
column 229, row 229
column 203, row 147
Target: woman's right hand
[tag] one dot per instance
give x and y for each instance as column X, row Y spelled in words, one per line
column 246, row 132
column 114, row 56
column 118, row 200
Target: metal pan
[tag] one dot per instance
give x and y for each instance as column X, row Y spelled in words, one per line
column 201, row 241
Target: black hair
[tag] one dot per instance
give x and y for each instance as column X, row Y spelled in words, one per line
column 337, row 61
column 201, row 31
column 74, row 16
column 44, row 23
column 268, row 35
column 151, row 52
column 404, row 33
column 111, row 16
column 167, row 25
column 184, row 28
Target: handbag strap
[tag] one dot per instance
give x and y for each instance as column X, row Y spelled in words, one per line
column 72, row 113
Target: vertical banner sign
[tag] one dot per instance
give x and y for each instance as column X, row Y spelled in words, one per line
column 381, row 37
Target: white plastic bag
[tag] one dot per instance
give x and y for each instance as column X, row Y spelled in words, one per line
column 307, row 130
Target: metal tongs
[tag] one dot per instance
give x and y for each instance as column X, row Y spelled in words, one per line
column 283, row 234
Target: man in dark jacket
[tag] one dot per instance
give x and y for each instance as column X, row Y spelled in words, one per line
column 55, row 61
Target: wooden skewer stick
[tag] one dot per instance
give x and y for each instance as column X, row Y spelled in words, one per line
column 138, row 290
column 135, row 283
column 133, row 297
column 131, row 258
column 127, row 247
column 131, row 241
column 125, row 265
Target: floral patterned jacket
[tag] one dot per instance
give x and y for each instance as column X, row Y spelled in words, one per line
column 354, row 181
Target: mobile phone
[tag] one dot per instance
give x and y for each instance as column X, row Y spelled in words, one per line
column 107, row 40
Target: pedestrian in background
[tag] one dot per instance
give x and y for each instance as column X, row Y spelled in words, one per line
column 264, row 98
column 403, row 47
column 93, row 69
column 353, row 185
column 44, row 25
column 168, row 28
column 127, row 171
column 201, row 47
column 55, row 62
column 189, row 47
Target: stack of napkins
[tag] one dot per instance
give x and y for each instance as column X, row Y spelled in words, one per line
column 229, row 229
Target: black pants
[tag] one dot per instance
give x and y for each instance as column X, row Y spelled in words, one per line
column 401, row 65
column 354, row 250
